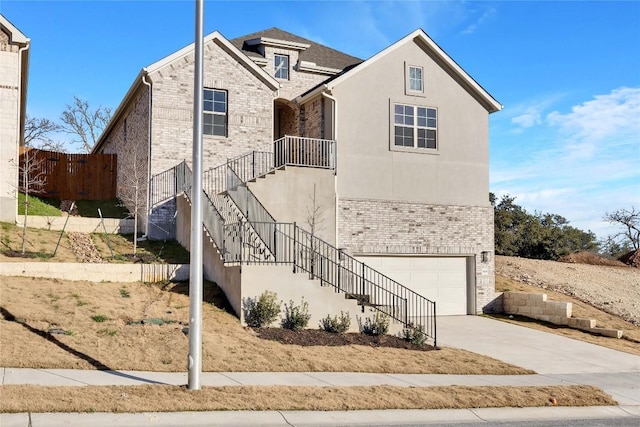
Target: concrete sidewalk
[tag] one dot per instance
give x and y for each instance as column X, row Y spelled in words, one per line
column 558, row 361
column 315, row 418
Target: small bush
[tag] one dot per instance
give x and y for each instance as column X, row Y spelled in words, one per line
column 261, row 311
column 379, row 325
column 414, row 334
column 99, row 318
column 335, row 324
column 296, row 317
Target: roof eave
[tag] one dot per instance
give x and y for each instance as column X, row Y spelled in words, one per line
column 226, row 45
column 477, row 91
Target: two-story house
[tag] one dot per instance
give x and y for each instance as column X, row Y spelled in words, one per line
column 386, row 159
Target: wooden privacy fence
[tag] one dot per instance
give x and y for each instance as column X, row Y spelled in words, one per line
column 72, row 176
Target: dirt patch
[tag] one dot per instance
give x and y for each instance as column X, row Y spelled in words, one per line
column 316, row 337
column 583, row 257
column 154, row 398
column 615, row 290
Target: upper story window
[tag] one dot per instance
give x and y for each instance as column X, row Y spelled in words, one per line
column 414, row 80
column 281, row 64
column 215, row 112
column 415, row 126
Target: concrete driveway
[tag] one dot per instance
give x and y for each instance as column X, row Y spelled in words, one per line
column 554, row 356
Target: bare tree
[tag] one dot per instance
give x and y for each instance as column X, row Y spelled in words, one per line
column 32, row 181
column 37, row 131
column 132, row 184
column 630, row 221
column 315, row 221
column 84, row 123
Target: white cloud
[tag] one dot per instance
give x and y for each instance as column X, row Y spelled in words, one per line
column 486, row 16
column 528, row 119
column 612, row 115
column 581, row 164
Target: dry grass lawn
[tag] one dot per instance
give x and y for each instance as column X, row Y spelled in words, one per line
column 95, row 326
column 112, row 248
column 629, row 343
column 148, row 398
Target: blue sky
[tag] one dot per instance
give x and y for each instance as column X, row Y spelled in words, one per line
column 567, row 73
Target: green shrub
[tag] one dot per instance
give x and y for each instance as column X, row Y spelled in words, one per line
column 261, row 311
column 335, row 324
column 414, row 334
column 99, row 318
column 296, row 317
column 379, row 325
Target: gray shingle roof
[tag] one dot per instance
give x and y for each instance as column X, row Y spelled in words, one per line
column 322, row 55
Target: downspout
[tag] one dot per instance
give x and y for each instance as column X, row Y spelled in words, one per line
column 334, row 103
column 20, row 129
column 148, row 208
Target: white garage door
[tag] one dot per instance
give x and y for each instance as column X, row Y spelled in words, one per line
column 440, row 279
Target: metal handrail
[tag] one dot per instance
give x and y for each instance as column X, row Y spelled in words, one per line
column 286, row 243
column 307, row 253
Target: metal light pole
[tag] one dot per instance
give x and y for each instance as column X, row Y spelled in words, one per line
column 195, row 268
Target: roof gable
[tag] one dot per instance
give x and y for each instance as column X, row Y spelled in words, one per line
column 440, row 56
column 228, row 47
column 310, row 51
column 16, row 37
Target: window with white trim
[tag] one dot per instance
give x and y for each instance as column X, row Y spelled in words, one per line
column 215, row 112
column 415, row 127
column 281, row 65
column 415, row 79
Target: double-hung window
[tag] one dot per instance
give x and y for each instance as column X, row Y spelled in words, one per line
column 281, row 65
column 415, row 126
column 215, row 112
column 414, row 80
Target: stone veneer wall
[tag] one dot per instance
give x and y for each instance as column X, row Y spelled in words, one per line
column 396, row 227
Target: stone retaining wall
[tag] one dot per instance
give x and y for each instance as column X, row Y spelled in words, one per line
column 536, row 306
column 79, row 224
column 98, row 272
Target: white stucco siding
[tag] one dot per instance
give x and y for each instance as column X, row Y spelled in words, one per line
column 457, row 173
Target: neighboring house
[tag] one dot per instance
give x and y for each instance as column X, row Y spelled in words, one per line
column 398, row 147
column 14, row 69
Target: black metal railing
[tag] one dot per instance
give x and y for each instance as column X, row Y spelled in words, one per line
column 255, row 236
column 290, row 244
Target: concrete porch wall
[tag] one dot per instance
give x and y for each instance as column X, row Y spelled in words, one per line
column 287, row 195
column 323, row 300
column 226, row 277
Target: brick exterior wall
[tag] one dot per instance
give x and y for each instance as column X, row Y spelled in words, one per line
column 129, row 140
column 250, row 110
column 9, row 132
column 393, row 227
column 314, row 118
column 298, row 82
